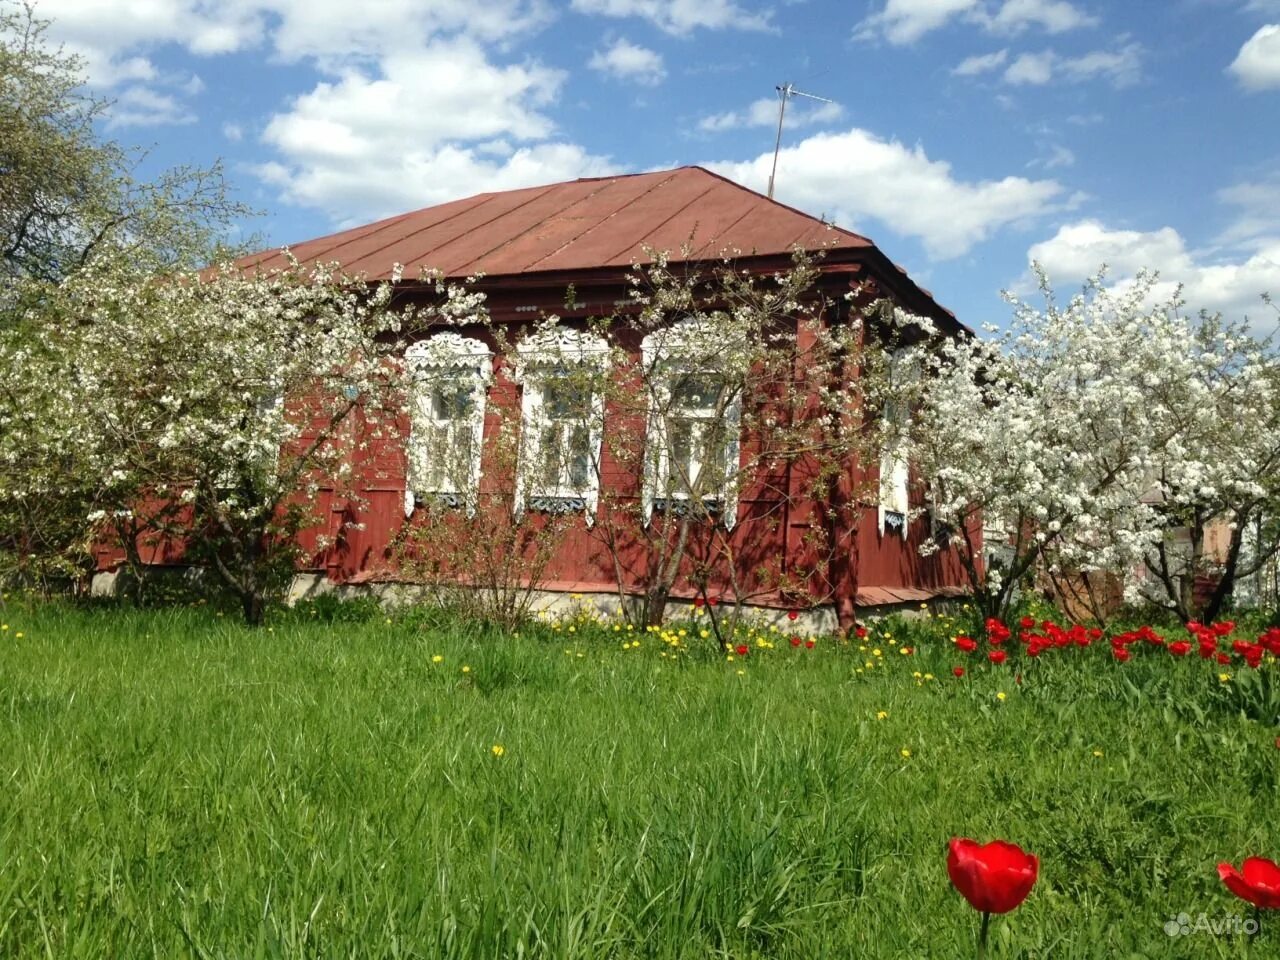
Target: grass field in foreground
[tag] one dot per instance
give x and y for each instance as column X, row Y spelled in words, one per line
column 175, row 784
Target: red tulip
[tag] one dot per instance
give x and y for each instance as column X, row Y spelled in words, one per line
column 795, row 641
column 698, row 601
column 808, row 644
column 1120, row 653
column 1180, row 649
column 1257, row 881
column 997, row 656
column 967, row 644
column 743, row 649
column 712, row 601
column 958, row 671
column 861, row 632
column 993, row 877
column 793, row 614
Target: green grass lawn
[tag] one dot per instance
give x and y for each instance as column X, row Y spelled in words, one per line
column 174, row 784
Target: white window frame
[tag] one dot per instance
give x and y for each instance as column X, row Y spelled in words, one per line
column 667, row 357
column 549, row 354
column 895, row 470
column 445, row 356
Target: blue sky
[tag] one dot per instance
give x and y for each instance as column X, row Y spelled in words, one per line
column 966, row 136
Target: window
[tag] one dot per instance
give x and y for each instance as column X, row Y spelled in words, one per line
column 563, row 417
column 693, row 428
column 895, row 473
column 450, row 375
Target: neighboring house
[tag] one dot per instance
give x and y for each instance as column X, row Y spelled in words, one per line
column 529, row 247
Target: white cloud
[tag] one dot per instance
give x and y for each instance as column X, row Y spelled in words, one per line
column 1230, row 284
column 906, row 21
column 1122, row 67
column 363, row 145
column 144, row 107
column 856, row 176
column 1033, row 68
column 233, row 132
column 983, row 63
column 448, row 91
column 679, row 16
column 764, row 113
column 1053, row 156
column 1257, row 65
column 627, row 61
column 1053, row 16
column 105, row 31
column 1257, row 218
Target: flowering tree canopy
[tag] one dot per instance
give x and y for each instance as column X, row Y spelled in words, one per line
column 210, row 405
column 1090, row 436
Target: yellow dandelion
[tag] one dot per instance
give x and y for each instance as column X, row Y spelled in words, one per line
column 876, row 652
column 1097, row 753
column 439, row 659
column 497, row 749
column 466, row 669
column 1222, row 677
column 742, row 673
column 906, row 754
column 928, row 676
column 882, row 714
column 1001, row 696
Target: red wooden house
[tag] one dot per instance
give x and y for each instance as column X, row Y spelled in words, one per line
column 529, row 247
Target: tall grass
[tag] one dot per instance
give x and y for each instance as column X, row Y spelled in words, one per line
column 174, row 784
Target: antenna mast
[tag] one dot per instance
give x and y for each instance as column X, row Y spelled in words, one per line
column 785, row 92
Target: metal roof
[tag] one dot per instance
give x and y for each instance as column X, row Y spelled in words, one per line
column 577, row 225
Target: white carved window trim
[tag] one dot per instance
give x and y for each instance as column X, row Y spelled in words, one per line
column 666, row 356
column 895, row 471
column 549, row 354
column 453, row 357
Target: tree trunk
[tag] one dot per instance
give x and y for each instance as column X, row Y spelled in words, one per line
column 251, row 602
column 655, row 606
column 1195, row 550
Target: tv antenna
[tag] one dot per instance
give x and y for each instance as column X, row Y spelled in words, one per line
column 785, row 92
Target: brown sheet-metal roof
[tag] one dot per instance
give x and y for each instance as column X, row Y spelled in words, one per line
column 578, row 225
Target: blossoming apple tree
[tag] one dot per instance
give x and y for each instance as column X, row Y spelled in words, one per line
column 1099, row 435
column 207, row 407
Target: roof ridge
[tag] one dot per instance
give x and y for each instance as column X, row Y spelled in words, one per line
column 778, row 203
